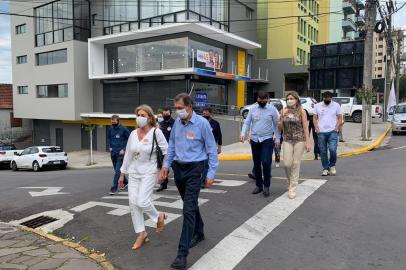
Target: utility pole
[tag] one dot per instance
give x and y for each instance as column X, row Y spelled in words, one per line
column 370, row 19
column 399, row 40
column 389, row 58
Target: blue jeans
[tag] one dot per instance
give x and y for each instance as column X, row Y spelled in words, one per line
column 262, row 156
column 188, row 180
column 328, row 141
column 117, row 161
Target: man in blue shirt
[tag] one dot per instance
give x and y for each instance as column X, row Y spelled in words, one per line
column 263, row 120
column 190, row 144
column 117, row 137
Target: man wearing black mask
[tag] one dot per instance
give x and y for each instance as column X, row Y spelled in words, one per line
column 166, row 124
column 327, row 119
column 117, row 137
column 218, row 137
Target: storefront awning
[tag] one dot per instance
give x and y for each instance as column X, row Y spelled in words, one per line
column 103, row 119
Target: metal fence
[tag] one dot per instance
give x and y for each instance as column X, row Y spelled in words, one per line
column 218, row 109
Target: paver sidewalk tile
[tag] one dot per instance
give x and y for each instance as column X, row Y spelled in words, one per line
column 38, row 252
column 34, row 261
column 58, row 249
column 7, row 243
column 12, row 266
column 8, row 258
column 21, row 259
column 24, row 243
column 81, row 264
column 8, row 251
column 49, row 264
column 68, row 255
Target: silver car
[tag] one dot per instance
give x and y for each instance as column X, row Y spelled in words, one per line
column 399, row 119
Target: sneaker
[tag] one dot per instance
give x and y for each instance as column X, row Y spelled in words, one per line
column 277, row 165
column 333, row 170
column 113, row 191
column 325, row 173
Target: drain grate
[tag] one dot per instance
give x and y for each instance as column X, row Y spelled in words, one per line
column 38, row 221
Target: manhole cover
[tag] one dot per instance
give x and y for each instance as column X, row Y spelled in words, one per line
column 38, row 221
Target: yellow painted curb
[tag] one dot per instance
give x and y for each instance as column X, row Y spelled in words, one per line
column 99, row 258
column 373, row 145
column 368, row 148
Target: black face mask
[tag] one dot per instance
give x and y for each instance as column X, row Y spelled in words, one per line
column 207, row 117
column 327, row 102
column 166, row 117
column 115, row 125
column 262, row 104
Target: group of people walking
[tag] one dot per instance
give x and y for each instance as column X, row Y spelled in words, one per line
column 190, row 144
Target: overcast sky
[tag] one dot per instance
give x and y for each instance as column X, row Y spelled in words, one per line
column 5, row 50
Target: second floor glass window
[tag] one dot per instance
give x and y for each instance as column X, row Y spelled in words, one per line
column 54, row 57
column 52, row 91
column 21, row 29
column 22, row 59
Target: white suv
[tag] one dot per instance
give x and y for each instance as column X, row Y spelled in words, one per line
column 38, row 157
column 307, row 104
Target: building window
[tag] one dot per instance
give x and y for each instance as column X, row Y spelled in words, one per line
column 21, row 29
column 22, row 90
column 54, row 57
column 52, row 91
column 22, row 59
column 249, row 13
column 60, row 21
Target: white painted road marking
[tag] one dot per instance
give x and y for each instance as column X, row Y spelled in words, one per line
column 230, row 251
column 227, row 183
column 46, row 192
column 205, row 190
column 401, row 147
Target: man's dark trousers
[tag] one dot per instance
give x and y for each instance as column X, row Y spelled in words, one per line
column 117, row 161
column 262, row 155
column 188, row 179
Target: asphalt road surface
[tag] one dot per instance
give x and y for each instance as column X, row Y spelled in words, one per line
column 355, row 220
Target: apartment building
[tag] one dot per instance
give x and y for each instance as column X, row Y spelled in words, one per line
column 81, row 61
column 380, row 52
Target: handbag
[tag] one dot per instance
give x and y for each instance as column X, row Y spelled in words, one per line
column 159, row 154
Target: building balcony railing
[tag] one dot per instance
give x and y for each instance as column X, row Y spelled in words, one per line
column 176, row 17
column 359, row 21
column 360, row 4
column 348, row 25
column 349, row 7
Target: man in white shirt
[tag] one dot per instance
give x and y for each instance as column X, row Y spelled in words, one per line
column 327, row 119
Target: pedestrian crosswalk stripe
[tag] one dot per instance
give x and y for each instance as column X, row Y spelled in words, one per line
column 230, row 251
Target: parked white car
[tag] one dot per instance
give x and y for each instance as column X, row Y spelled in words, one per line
column 244, row 110
column 353, row 110
column 7, row 153
column 38, row 157
column 399, row 119
column 307, row 104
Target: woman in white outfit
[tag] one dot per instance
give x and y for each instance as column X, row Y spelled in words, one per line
column 140, row 164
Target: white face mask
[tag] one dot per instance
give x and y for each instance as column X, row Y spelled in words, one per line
column 183, row 114
column 142, row 121
column 160, row 119
column 290, row 103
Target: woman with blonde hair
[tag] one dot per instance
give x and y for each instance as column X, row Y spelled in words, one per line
column 296, row 139
column 141, row 163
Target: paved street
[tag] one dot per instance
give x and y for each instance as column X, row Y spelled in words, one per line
column 352, row 221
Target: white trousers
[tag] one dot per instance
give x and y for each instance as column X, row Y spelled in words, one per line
column 140, row 200
column 292, row 157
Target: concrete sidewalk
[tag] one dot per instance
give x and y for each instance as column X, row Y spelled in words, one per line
column 351, row 131
column 351, row 134
column 21, row 249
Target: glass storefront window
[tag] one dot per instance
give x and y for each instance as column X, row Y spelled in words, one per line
column 216, row 93
column 157, row 55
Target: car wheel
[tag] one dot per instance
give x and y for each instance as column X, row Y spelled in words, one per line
column 245, row 114
column 14, row 166
column 357, row 117
column 394, row 133
column 35, row 166
column 62, row 167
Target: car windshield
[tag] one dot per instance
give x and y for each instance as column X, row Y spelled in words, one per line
column 52, row 150
column 401, row 109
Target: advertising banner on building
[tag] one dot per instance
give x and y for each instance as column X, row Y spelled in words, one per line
column 211, row 59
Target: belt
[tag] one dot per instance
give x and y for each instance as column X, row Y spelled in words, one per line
column 187, row 165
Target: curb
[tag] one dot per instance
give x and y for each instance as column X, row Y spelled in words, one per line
column 98, row 258
column 373, row 145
